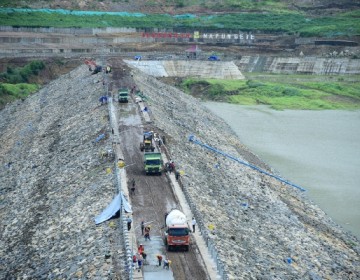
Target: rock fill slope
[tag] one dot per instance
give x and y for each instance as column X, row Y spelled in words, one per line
column 262, row 229
column 53, row 184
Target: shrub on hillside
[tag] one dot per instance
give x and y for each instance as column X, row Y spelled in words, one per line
column 21, row 74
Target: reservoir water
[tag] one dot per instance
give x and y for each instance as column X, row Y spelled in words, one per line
column 317, row 150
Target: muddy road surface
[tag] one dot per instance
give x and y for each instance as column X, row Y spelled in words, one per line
column 153, row 193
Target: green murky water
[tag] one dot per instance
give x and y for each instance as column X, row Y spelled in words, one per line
column 318, row 150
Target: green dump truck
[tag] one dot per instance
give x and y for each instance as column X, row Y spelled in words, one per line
column 123, row 95
column 153, row 163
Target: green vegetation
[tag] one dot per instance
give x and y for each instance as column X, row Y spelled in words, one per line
column 14, row 82
column 287, row 92
column 22, row 74
column 288, row 22
column 11, row 92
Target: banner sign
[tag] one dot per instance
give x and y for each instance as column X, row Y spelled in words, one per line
column 224, row 36
column 198, row 35
column 166, row 35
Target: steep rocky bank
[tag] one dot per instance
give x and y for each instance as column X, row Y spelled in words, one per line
column 53, row 185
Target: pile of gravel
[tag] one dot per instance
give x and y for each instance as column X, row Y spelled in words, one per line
column 53, row 184
column 262, row 228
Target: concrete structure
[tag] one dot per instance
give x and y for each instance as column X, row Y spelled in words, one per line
column 186, row 68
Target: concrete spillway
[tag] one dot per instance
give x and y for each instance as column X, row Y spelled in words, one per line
column 186, row 68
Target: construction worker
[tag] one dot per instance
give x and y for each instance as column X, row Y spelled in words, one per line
column 147, row 232
column 193, row 223
column 134, row 259
column 129, row 221
column 171, row 166
column 144, row 255
column 140, row 262
column 147, row 229
column 142, row 227
column 141, row 249
column 166, row 263
column 159, row 257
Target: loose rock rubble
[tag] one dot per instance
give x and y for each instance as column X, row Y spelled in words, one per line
column 53, row 184
column 263, row 229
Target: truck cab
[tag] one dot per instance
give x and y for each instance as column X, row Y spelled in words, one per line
column 177, row 236
column 123, row 95
column 153, row 163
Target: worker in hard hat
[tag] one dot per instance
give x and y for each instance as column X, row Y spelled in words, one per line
column 147, row 232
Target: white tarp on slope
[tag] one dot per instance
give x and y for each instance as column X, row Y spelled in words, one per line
column 113, row 207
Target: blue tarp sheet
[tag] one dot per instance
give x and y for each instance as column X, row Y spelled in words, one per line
column 103, row 99
column 100, row 137
column 113, row 207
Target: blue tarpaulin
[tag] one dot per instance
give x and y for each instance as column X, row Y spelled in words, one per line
column 100, row 137
column 103, row 99
column 113, row 207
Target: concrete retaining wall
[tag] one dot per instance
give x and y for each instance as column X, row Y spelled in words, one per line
column 300, row 65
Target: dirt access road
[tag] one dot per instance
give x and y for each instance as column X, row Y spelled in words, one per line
column 153, row 195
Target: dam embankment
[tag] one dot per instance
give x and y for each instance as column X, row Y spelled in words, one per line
column 53, row 186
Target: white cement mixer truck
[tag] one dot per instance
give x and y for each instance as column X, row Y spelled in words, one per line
column 177, row 231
